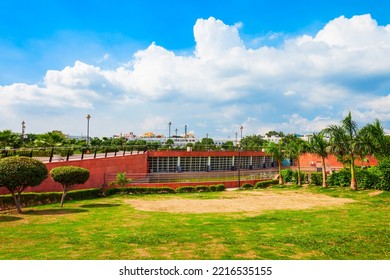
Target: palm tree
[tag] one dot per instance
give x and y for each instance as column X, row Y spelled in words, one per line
column 277, row 153
column 348, row 142
column 319, row 146
column 374, row 140
column 295, row 147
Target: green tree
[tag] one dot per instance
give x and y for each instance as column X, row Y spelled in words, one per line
column 9, row 139
column 277, row 153
column 169, row 144
column 69, row 177
column 228, row 146
column 18, row 173
column 348, row 142
column 318, row 145
column 121, row 180
column 274, row 133
column 252, row 142
column 51, row 139
column 294, row 148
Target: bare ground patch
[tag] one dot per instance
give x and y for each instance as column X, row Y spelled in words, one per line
column 250, row 201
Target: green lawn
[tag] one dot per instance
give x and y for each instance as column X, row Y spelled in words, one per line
column 110, row 228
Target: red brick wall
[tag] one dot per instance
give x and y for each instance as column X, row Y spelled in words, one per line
column 97, row 167
column 313, row 161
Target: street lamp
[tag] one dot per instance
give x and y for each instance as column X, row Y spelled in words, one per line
column 88, row 118
column 169, row 135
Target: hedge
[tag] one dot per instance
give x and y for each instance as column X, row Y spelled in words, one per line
column 247, row 186
column 139, row 190
column 316, row 179
column 31, row 199
column 265, row 184
column 162, row 190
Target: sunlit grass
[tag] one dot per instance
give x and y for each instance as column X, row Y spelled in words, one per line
column 110, row 228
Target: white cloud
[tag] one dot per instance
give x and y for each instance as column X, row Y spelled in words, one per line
column 345, row 66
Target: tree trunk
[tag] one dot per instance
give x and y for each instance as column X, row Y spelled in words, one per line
column 63, row 198
column 17, row 203
column 299, row 172
column 353, row 186
column 324, row 185
column 280, row 173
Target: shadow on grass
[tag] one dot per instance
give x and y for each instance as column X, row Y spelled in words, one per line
column 100, row 205
column 53, row 211
column 9, row 219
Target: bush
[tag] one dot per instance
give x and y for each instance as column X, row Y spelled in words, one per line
column 187, row 189
column 31, row 199
column 384, row 168
column 69, row 177
column 221, row 188
column 265, row 184
column 247, row 186
column 212, row 188
column 287, row 175
column 341, row 178
column 304, row 177
column 202, row 189
column 316, row 179
column 139, row 190
column 18, row 173
column 368, row 178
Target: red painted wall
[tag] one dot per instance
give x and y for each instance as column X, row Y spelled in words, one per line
column 310, row 161
column 97, row 167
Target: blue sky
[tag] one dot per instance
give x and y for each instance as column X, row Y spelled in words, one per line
column 295, row 66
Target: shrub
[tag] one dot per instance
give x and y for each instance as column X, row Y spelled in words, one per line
column 139, row 190
column 341, row 178
column 69, row 177
column 384, row 168
column 120, row 180
column 316, row 179
column 265, row 184
column 368, row 178
column 247, row 186
column 202, row 189
column 18, row 173
column 212, row 188
column 221, row 188
column 287, row 175
column 31, row 199
column 187, row 189
column 295, row 177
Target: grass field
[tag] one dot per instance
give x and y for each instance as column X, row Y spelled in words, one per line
column 113, row 228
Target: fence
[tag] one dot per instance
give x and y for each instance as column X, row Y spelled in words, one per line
column 194, row 177
column 51, row 154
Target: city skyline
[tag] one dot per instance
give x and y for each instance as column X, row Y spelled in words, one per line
column 291, row 67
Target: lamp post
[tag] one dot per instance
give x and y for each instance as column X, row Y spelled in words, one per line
column 169, row 134
column 88, row 118
column 207, row 141
column 239, row 159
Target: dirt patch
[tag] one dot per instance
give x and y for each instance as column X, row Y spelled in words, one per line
column 375, row 193
column 241, row 202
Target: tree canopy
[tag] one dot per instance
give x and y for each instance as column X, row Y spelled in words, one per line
column 18, row 173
